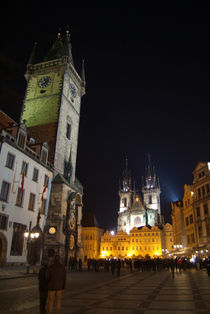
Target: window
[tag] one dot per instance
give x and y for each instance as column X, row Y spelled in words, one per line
column 198, row 211
column 31, row 201
column 191, row 219
column 4, row 191
column 203, row 190
column 3, row 222
column 201, row 174
column 199, row 192
column 187, row 221
column 35, row 175
column 10, row 160
column 150, row 199
column 17, row 239
column 44, row 156
column 118, row 248
column 125, row 202
column 122, row 248
column 68, row 131
column 205, row 208
column 46, row 180
column 110, row 248
column 19, row 199
column 200, row 231
column 24, row 168
column 192, row 238
column 207, row 188
column 21, row 140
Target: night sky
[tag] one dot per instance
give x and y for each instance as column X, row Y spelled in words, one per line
column 147, row 74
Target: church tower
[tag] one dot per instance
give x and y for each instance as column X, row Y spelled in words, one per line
column 51, row 106
column 151, row 193
column 125, row 191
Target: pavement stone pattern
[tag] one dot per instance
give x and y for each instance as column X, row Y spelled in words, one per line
column 103, row 293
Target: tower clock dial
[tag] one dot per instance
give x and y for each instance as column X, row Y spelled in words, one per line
column 44, row 81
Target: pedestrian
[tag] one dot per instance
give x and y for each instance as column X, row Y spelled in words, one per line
column 172, row 266
column 118, row 267
column 56, row 276
column 43, row 286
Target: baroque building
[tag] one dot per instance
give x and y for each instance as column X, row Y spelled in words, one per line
column 135, row 211
column 191, row 215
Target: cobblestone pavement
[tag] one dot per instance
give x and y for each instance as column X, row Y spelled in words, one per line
column 102, row 293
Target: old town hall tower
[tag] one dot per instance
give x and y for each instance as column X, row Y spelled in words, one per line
column 51, row 112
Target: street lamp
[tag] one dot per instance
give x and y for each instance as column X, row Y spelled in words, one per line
column 30, row 236
column 33, row 245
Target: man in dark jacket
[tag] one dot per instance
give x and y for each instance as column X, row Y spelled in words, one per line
column 56, row 277
column 43, row 286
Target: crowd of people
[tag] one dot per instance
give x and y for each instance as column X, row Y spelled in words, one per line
column 52, row 278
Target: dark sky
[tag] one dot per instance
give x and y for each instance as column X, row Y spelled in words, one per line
column 147, row 73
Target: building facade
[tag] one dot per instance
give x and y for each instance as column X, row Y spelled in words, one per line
column 139, row 243
column 25, row 183
column 201, row 204
column 51, row 114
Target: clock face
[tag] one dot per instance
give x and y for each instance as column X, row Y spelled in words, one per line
column 72, row 222
column 52, row 230
column 73, row 90
column 44, row 81
column 71, row 241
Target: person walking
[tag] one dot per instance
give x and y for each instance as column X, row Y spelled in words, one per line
column 56, row 277
column 43, row 286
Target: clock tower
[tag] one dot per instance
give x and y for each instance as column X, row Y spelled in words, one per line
column 52, row 101
column 51, row 111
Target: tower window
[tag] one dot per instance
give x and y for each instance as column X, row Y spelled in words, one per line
column 21, row 140
column 150, row 199
column 125, row 202
column 68, row 131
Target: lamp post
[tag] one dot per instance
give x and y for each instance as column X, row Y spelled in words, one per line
column 30, row 236
column 33, row 246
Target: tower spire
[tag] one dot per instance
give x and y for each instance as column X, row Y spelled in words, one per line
column 32, row 56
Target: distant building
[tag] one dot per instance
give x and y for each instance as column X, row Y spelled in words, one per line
column 91, row 234
column 135, row 212
column 178, row 224
column 191, row 216
column 201, row 205
column 139, row 243
column 25, row 183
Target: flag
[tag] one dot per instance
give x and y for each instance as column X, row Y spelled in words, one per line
column 23, row 178
column 44, row 190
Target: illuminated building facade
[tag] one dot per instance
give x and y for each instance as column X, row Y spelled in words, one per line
column 189, row 217
column 135, row 212
column 91, row 235
column 201, row 204
column 139, row 243
column 178, row 223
